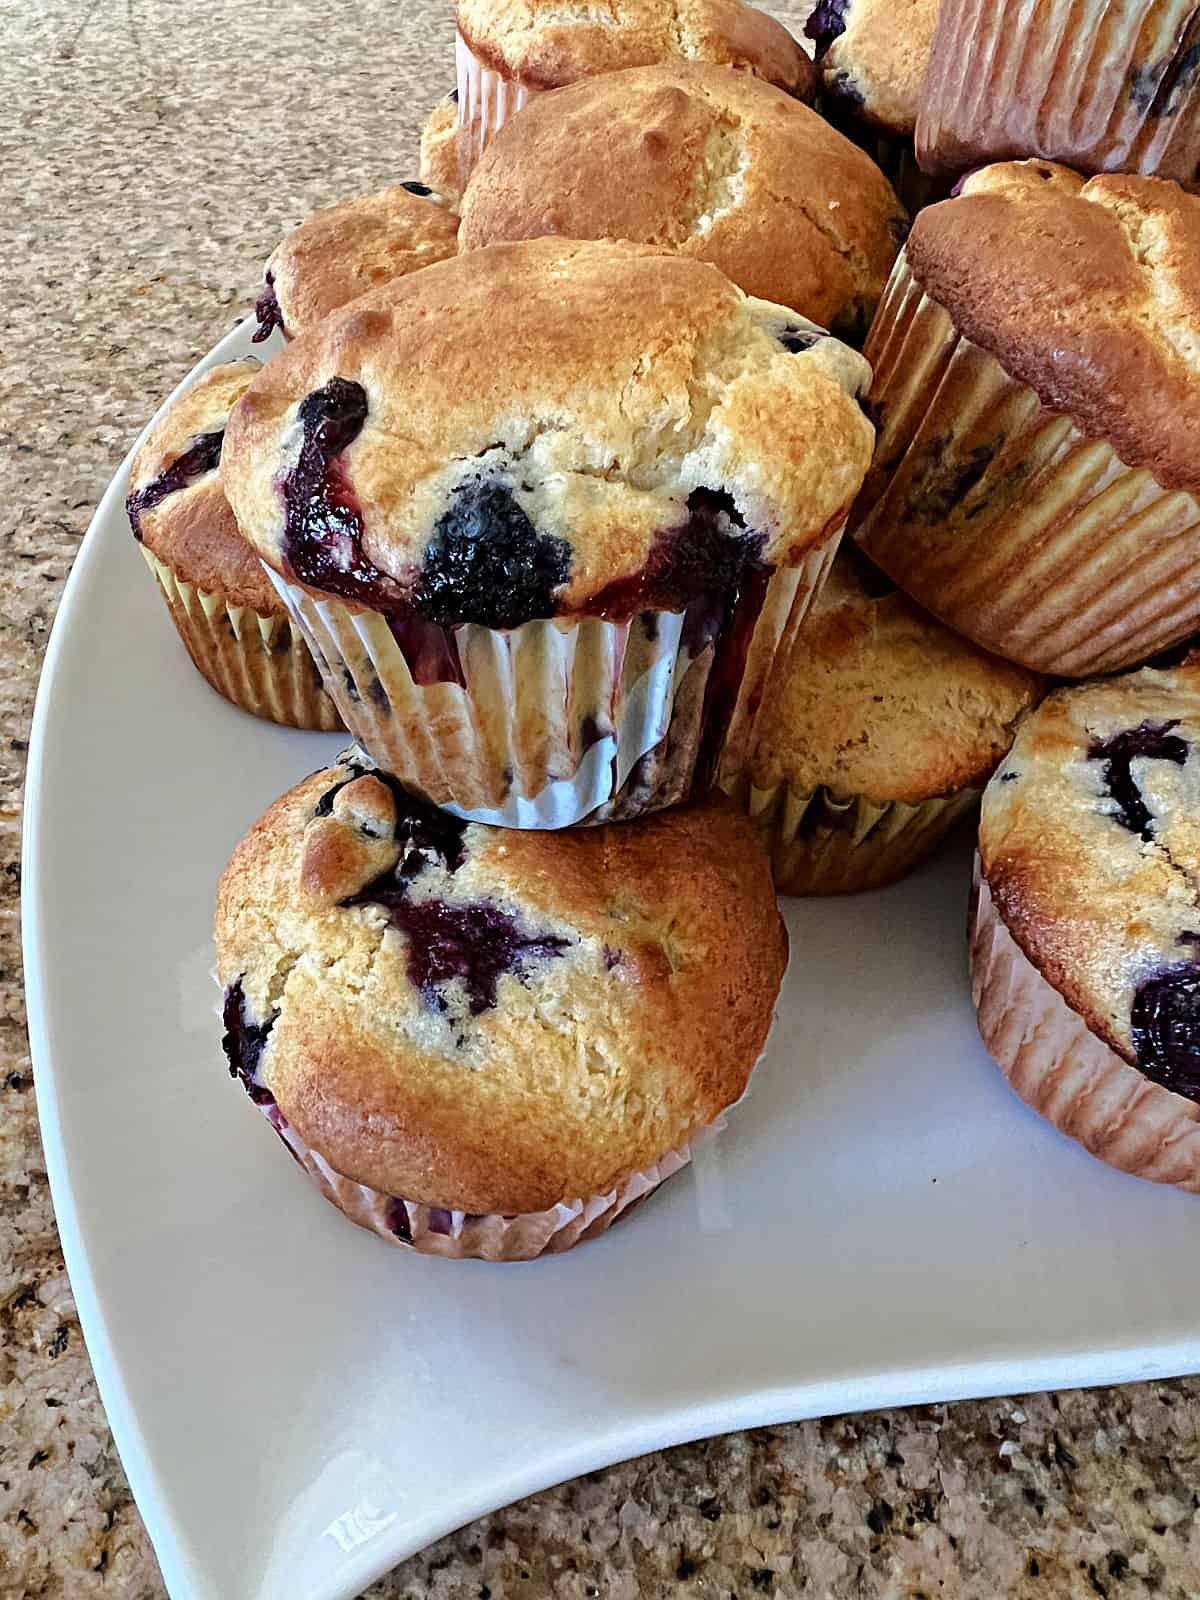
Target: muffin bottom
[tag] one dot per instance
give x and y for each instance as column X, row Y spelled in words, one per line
column 486, row 101
column 822, row 844
column 1060, row 1068
column 462, row 1235
column 259, row 663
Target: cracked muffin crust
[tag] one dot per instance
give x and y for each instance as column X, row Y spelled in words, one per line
column 872, row 55
column 878, row 731
column 344, row 250
column 1109, row 86
column 1087, row 918
column 226, row 610
column 545, row 44
column 714, row 165
column 484, row 1021
column 547, row 428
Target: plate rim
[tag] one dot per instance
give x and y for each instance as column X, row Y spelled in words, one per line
column 183, row 1569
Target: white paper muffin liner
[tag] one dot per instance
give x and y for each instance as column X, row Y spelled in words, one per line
column 486, row 101
column 460, row 1235
column 1063, row 1070
column 260, row 663
column 822, row 843
column 1084, row 85
column 561, row 721
column 1004, row 519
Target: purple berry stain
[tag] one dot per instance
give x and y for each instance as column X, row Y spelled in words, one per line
column 1150, row 742
column 322, row 523
column 244, row 1042
column 1165, row 1024
column 201, row 456
column 266, row 312
column 826, row 23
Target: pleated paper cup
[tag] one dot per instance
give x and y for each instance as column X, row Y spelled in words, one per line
column 1060, row 1068
column 1004, row 519
column 442, row 1231
column 820, row 843
column 486, row 101
column 562, row 721
column 260, row 663
column 1091, row 86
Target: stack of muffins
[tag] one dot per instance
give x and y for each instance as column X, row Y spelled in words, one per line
column 541, row 494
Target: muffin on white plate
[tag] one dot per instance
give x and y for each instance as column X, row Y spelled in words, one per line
column 1036, row 483
column 545, row 512
column 343, row 250
column 878, row 731
column 1085, row 933
column 711, row 164
column 486, row 1043
column 234, row 625
column 510, row 50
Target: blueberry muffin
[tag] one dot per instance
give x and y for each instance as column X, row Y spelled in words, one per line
column 1085, row 936
column 509, row 50
column 545, row 513
column 1108, row 86
column 1037, row 390
column 344, row 250
column 871, row 56
column 444, row 163
column 878, row 732
column 487, row 1043
column 714, row 164
column 236, row 628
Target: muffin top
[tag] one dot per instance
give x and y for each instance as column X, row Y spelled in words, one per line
column 872, row 56
column 176, row 505
column 1089, row 292
column 548, row 43
column 877, row 698
column 492, row 1020
column 547, row 428
column 710, row 163
column 344, row 250
column 443, row 161
column 1090, row 844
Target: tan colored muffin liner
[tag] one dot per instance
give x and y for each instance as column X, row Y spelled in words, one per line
column 555, row 722
column 439, row 1231
column 260, row 663
column 1063, row 1070
column 486, row 101
column 1080, row 86
column 820, row 844
column 1004, row 519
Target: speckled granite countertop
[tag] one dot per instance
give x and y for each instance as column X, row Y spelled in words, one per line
column 153, row 153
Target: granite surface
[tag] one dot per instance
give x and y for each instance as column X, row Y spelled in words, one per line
column 153, row 152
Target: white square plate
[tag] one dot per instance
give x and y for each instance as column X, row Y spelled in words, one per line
column 297, row 1406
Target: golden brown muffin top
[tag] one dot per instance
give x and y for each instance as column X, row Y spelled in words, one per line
column 872, row 56
column 1089, row 292
column 713, row 164
column 1090, row 844
column 176, row 505
column 343, row 250
column 493, row 1020
column 548, row 43
column 877, row 698
column 547, row 428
